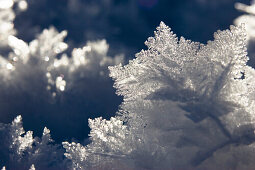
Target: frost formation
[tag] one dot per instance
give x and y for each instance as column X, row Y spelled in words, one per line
column 19, row 150
column 249, row 20
column 40, row 57
column 49, row 79
column 186, row 106
column 40, row 68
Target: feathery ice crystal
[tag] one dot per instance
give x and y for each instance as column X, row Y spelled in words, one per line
column 186, row 105
column 249, row 20
column 19, row 150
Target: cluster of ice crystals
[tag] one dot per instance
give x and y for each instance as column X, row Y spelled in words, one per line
column 19, row 150
column 110, row 144
column 20, row 143
column 248, row 19
column 185, row 103
column 89, row 61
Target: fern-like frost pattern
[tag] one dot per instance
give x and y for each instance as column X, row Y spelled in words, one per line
column 186, row 105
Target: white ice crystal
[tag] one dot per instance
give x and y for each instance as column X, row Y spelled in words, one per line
column 40, row 55
column 38, row 75
column 249, row 20
column 110, row 143
column 19, row 150
column 19, row 143
column 186, row 106
column 7, row 16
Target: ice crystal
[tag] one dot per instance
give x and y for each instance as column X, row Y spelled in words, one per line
column 186, row 105
column 19, row 150
column 110, row 144
column 249, row 21
column 40, row 55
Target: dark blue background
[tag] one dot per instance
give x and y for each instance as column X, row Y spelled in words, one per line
column 128, row 23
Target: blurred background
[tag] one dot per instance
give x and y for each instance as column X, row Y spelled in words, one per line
column 125, row 24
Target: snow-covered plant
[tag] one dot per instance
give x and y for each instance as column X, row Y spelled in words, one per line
column 186, row 106
column 19, row 150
